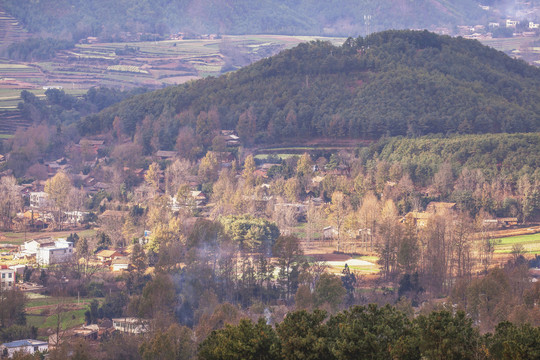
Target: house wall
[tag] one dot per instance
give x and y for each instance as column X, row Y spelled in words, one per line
column 27, row 349
column 7, row 278
column 50, row 256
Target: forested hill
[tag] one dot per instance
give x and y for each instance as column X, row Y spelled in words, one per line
column 389, row 83
column 82, row 18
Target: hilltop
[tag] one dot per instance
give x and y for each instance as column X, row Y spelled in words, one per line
column 387, row 84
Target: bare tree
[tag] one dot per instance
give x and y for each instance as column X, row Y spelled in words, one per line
column 368, row 214
column 10, row 200
column 314, row 218
column 176, row 174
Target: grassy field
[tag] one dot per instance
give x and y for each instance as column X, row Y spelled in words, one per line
column 68, row 319
column 530, row 243
column 41, row 311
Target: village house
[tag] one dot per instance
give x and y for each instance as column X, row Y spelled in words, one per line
column 54, row 166
column 120, row 264
column 38, row 199
column 131, row 325
column 48, row 251
column 198, row 197
column 511, row 23
column 75, row 217
column 507, row 222
column 107, row 256
column 419, row 219
column 88, row 332
column 230, row 137
column 329, row 233
column 7, row 277
column 166, row 155
column 28, row 346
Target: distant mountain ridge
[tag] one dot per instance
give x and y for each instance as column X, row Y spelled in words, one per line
column 391, row 83
column 83, row 18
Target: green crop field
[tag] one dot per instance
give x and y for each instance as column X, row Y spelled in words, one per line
column 41, row 311
column 68, row 319
column 530, row 243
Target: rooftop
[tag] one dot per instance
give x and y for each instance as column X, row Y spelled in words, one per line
column 26, row 342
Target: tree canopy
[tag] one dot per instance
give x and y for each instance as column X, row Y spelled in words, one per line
column 391, row 83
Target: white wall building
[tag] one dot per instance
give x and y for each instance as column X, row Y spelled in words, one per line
column 38, row 199
column 48, row 251
column 511, row 23
column 28, row 346
column 61, row 252
column 75, row 217
column 7, row 277
column 130, row 325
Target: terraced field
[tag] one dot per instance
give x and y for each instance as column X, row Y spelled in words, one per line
column 10, row 30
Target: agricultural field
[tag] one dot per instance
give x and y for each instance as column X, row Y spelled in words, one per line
column 43, row 311
column 525, row 48
column 530, row 244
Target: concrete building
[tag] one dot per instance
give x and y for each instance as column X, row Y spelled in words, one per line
column 7, row 277
column 130, row 325
column 38, row 199
column 48, row 251
column 28, row 346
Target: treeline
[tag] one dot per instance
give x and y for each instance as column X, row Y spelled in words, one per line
column 481, row 173
column 508, row 156
column 370, row 332
column 101, row 18
column 58, row 107
column 37, row 49
column 393, row 83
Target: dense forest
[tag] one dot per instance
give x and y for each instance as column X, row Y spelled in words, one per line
column 78, row 19
column 391, row 83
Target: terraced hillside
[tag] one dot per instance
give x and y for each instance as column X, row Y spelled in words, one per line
column 10, row 30
column 10, row 121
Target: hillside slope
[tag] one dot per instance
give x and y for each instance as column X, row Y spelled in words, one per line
column 390, row 83
column 343, row 17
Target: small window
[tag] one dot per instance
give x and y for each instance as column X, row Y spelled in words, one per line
column 3, row 276
column 10, row 275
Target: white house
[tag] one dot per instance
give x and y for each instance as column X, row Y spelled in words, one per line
column 32, row 246
column 532, row 25
column 48, row 251
column 511, row 23
column 7, row 277
column 120, row 264
column 28, row 346
column 75, row 217
column 61, row 252
column 130, row 325
column 38, row 199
